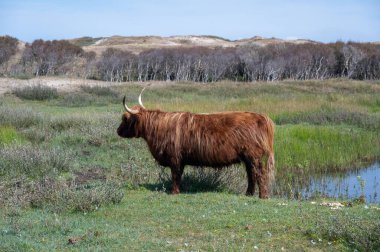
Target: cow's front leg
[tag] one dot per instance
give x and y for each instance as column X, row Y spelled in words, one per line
column 177, row 172
column 251, row 175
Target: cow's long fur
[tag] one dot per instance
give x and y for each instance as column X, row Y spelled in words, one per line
column 176, row 139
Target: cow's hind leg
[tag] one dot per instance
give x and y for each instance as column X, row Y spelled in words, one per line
column 177, row 172
column 262, row 179
column 251, row 176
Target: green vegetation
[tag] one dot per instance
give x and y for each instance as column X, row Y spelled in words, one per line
column 156, row 221
column 65, row 174
column 9, row 135
column 316, row 149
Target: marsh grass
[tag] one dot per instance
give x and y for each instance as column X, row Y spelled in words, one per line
column 319, row 149
column 372, row 103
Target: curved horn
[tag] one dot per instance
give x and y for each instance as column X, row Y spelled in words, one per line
column 132, row 111
column 140, row 101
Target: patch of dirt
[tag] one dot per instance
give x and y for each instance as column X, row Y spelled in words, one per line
column 90, row 175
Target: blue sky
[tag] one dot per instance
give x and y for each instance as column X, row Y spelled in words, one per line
column 324, row 20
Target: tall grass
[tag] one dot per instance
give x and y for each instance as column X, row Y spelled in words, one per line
column 317, row 149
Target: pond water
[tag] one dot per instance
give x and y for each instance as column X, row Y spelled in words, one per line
column 351, row 185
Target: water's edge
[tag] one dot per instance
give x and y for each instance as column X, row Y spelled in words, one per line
column 365, row 181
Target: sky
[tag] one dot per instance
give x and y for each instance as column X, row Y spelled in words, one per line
column 324, row 20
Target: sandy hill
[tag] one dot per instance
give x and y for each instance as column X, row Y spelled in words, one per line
column 140, row 43
column 137, row 44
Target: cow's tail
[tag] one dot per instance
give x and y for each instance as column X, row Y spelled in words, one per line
column 268, row 145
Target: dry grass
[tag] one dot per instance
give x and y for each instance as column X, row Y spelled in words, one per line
column 62, row 84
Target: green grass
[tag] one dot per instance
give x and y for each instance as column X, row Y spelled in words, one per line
column 9, row 135
column 65, row 173
column 156, row 221
column 323, row 149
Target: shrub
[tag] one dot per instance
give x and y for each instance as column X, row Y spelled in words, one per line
column 99, row 91
column 68, row 122
column 19, row 117
column 50, row 57
column 61, row 197
column 37, row 92
column 38, row 135
column 32, row 161
column 355, row 232
column 8, row 47
column 77, row 100
column 92, row 96
column 21, row 76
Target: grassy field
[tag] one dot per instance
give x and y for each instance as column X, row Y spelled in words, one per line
column 65, row 174
column 156, row 221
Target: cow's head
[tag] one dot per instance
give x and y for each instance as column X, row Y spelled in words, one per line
column 129, row 126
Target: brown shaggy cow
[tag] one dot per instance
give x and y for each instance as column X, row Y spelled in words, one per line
column 176, row 139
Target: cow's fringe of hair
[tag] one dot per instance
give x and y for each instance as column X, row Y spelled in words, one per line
column 268, row 143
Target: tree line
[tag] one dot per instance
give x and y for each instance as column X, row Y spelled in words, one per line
column 200, row 64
